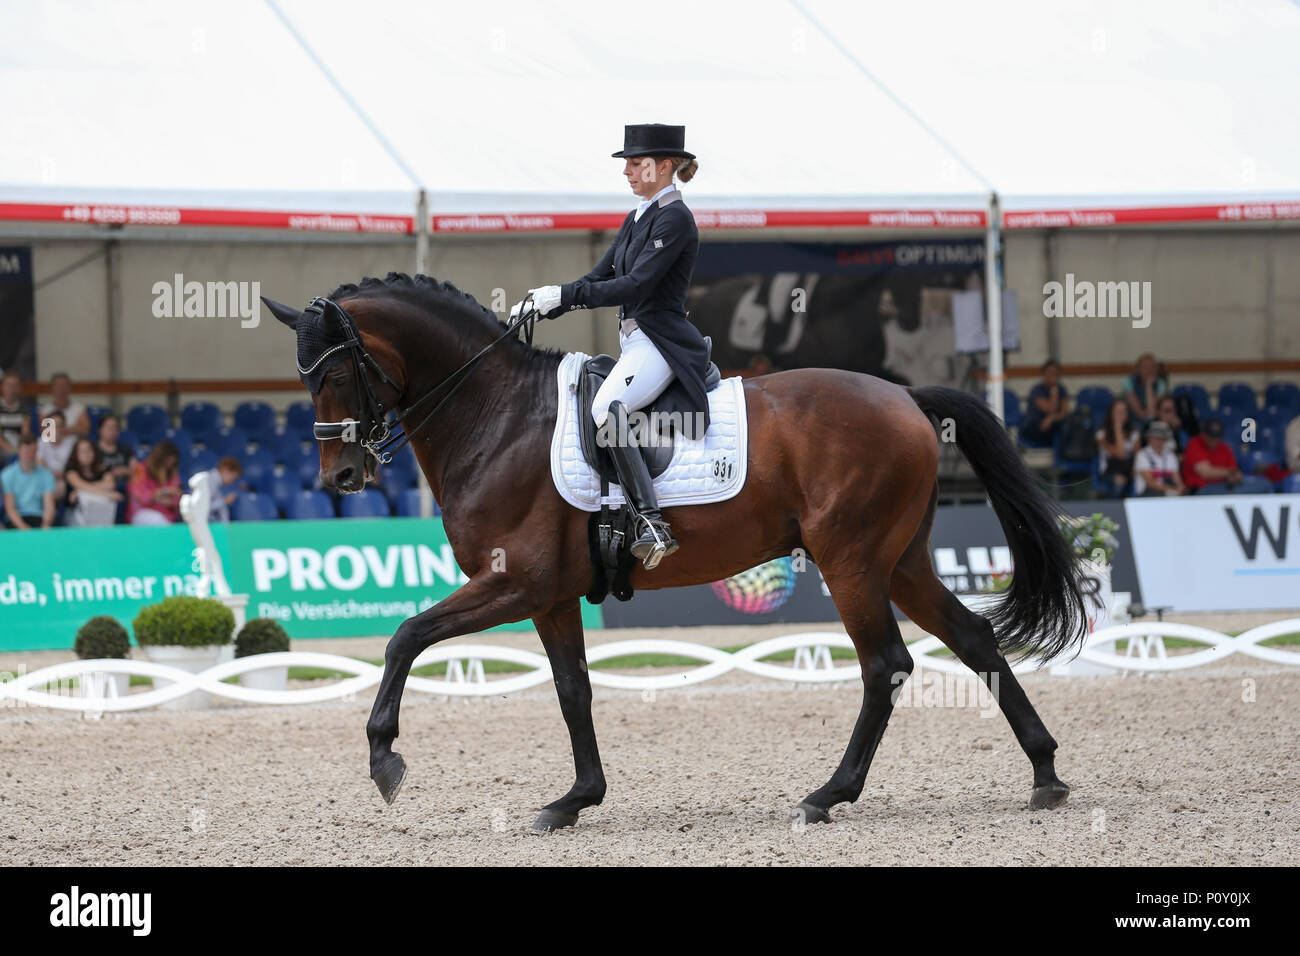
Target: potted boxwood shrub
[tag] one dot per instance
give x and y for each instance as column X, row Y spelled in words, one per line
column 103, row 638
column 185, row 632
column 262, row 635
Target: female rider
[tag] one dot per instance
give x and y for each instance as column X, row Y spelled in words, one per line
column 646, row 272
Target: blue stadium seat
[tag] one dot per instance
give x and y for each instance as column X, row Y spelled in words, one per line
column 299, row 417
column 96, row 414
column 281, row 487
column 1256, row 459
column 408, row 504
column 1097, row 398
column 1012, row 413
column 1237, row 395
column 200, row 417
column 228, row 441
column 1197, row 395
column 257, row 419
column 1277, row 416
column 1272, row 439
column 305, row 466
column 1232, row 417
column 251, row 506
column 128, row 438
column 259, row 468
column 285, row 446
column 181, row 439
column 364, row 504
column 1292, row 484
column 400, row 473
column 199, row 459
column 149, row 422
column 307, row 504
column 1286, row 394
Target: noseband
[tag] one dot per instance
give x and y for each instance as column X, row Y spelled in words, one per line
column 379, row 440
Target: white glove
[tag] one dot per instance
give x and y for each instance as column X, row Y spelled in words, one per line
column 546, row 299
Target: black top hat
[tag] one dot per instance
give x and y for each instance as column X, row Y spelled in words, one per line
column 653, row 139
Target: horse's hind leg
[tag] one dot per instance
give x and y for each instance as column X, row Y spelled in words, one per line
column 561, row 634
column 863, row 604
column 924, row 599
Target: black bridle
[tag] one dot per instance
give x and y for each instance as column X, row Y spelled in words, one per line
column 380, row 441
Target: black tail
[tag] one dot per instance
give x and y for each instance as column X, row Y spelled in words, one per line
column 1042, row 613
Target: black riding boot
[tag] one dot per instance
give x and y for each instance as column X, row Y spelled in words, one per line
column 655, row 540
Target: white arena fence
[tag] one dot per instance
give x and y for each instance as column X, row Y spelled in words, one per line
column 466, row 677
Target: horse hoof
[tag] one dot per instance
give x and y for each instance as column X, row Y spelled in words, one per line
column 1048, row 796
column 550, row 820
column 390, row 776
column 807, row 813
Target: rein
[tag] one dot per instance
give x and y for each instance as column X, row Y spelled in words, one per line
column 381, row 442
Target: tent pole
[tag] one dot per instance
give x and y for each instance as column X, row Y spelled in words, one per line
column 422, row 233
column 421, row 268
column 993, row 298
column 113, row 318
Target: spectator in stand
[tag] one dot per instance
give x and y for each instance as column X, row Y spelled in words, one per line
column 92, row 494
column 1210, row 467
column 28, row 489
column 1048, row 404
column 154, row 492
column 15, row 415
column 117, row 456
column 1155, row 467
column 1116, row 443
column 1293, row 445
column 75, row 415
column 225, row 486
column 1142, row 389
column 55, row 448
column 1167, row 412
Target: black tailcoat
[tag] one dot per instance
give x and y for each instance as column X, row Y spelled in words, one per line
column 647, row 271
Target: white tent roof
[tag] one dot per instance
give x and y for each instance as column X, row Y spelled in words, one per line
column 802, row 111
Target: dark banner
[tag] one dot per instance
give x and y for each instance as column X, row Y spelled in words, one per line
column 967, row 547
column 17, row 311
column 884, row 308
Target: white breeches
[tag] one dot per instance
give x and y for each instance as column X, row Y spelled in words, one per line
column 639, row 361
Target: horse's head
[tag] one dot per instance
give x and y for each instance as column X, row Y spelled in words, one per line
column 350, row 394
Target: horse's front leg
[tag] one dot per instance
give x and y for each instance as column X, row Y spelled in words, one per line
column 485, row 601
column 561, row 634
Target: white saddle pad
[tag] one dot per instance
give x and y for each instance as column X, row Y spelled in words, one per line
column 702, row 472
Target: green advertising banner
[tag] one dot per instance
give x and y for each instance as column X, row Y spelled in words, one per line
column 333, row 578
column 353, row 577
column 53, row 581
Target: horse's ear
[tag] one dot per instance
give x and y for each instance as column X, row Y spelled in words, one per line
column 332, row 323
column 282, row 312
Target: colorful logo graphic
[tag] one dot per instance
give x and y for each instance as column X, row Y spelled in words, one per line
column 759, row 590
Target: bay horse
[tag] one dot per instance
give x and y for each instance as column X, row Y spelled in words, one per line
column 841, row 465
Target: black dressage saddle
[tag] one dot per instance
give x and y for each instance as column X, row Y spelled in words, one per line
column 664, row 411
